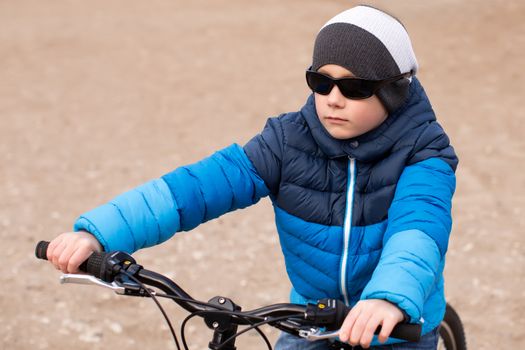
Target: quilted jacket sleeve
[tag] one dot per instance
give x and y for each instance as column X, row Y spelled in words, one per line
column 265, row 152
column 414, row 245
column 178, row 201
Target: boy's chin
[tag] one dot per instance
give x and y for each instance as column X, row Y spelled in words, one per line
column 342, row 134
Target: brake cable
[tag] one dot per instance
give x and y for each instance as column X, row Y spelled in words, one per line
column 255, row 326
column 152, row 296
column 200, row 313
column 247, row 318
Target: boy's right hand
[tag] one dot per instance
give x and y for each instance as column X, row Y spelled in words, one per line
column 67, row 251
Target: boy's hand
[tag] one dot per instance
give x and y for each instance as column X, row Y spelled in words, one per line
column 362, row 321
column 67, row 251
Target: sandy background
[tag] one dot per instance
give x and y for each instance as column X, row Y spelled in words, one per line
column 97, row 97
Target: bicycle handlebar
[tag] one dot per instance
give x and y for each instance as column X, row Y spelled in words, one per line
column 108, row 266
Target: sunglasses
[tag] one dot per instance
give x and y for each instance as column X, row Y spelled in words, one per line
column 352, row 88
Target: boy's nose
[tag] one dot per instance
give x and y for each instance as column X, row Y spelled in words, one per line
column 336, row 98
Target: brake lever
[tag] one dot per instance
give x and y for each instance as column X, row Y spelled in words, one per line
column 91, row 280
column 313, row 334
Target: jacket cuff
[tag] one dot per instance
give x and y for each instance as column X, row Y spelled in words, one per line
column 101, row 222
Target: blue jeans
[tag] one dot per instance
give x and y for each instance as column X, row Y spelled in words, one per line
column 290, row 342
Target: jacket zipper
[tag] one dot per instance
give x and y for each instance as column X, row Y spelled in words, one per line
column 347, row 226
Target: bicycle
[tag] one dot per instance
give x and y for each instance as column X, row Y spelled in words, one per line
column 120, row 273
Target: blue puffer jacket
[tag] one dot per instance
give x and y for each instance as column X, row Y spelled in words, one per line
column 366, row 218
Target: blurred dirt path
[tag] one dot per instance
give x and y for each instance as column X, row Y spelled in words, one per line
column 97, row 97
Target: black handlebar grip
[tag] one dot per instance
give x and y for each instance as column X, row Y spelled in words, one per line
column 92, row 265
column 406, row 331
column 41, row 250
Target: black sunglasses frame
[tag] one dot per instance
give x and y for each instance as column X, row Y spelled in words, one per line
column 359, row 90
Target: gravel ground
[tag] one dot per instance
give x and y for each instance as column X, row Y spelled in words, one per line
column 97, row 97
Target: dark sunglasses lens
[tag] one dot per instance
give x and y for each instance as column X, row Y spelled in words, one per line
column 356, row 88
column 350, row 88
column 319, row 83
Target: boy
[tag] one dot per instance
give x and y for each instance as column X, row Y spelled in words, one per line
column 361, row 180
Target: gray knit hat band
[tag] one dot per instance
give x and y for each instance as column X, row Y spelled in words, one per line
column 372, row 45
column 353, row 47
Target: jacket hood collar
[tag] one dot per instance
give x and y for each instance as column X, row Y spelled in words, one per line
column 375, row 143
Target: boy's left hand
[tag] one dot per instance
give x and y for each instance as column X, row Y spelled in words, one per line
column 364, row 318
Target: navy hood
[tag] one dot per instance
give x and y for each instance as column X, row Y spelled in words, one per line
column 414, row 115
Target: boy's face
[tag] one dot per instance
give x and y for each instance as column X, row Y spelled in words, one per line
column 344, row 118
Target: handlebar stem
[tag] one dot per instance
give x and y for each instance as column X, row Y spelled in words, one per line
column 222, row 324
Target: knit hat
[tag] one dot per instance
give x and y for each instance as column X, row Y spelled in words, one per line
column 372, row 45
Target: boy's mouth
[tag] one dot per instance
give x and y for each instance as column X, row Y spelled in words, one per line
column 335, row 119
